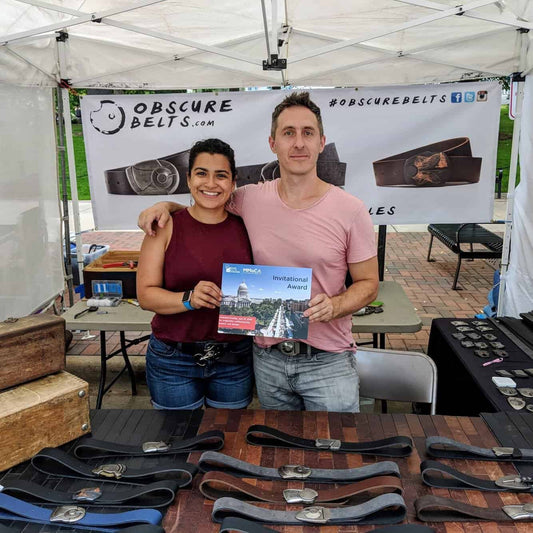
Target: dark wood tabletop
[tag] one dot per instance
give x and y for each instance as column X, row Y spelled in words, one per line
column 191, row 512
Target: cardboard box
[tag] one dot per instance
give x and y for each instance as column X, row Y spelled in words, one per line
column 96, row 272
column 46, row 412
column 31, row 347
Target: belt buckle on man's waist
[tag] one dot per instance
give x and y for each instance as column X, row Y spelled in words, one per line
column 289, row 347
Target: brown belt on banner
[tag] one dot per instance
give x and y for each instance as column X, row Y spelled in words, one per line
column 219, row 484
column 434, row 165
column 436, row 509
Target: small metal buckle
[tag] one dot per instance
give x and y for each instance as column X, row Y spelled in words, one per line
column 300, row 495
column 314, row 515
column 156, row 446
column 527, row 392
column 211, row 352
column 110, row 470
column 67, row 514
column 515, row 482
column 87, row 494
column 502, row 451
column 294, row 471
column 328, row 444
column 519, row 512
column 289, row 347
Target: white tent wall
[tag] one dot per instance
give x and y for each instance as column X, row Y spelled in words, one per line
column 168, row 44
column 31, row 270
column 518, row 295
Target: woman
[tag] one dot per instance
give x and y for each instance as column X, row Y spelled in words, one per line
column 179, row 276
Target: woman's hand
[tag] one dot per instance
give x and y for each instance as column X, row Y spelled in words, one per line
column 206, row 294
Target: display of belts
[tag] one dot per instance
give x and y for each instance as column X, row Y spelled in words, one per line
column 149, row 471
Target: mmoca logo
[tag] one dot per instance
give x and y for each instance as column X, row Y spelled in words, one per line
column 109, row 118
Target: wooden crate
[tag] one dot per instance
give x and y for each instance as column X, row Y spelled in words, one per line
column 95, row 271
column 46, row 412
column 31, row 347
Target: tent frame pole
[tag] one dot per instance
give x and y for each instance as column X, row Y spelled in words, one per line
column 512, row 171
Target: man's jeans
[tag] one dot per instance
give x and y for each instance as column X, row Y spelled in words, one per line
column 321, row 382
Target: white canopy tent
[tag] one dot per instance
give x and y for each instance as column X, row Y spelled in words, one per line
column 167, row 44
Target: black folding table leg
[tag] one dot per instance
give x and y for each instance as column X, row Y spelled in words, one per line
column 103, row 370
column 128, row 363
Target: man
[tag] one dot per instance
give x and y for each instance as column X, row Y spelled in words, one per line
column 300, row 220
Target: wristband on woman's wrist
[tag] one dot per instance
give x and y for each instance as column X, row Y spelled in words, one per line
column 186, row 300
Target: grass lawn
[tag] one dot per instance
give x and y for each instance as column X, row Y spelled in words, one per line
column 504, row 154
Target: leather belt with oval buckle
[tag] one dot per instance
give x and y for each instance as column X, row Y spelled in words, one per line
column 89, row 448
column 436, row 509
column 260, row 435
column 214, row 485
column 383, row 509
column 218, row 462
column 447, row 162
column 452, row 449
column 67, row 514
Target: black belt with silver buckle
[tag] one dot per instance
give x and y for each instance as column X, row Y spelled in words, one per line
column 209, row 351
column 260, row 435
column 295, row 348
column 59, row 463
column 89, row 448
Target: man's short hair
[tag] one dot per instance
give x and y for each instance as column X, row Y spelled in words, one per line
column 296, row 99
column 213, row 146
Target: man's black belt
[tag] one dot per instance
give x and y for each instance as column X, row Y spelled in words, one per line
column 58, row 463
column 450, row 478
column 241, row 525
column 451, row 449
column 89, row 448
column 216, row 485
column 158, row 494
column 218, row 462
column 436, row 509
column 295, row 348
column 74, row 515
column 259, row 435
column 384, row 509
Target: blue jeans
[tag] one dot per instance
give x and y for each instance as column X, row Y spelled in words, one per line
column 324, row 381
column 177, row 382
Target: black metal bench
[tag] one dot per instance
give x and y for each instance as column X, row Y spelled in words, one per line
column 455, row 236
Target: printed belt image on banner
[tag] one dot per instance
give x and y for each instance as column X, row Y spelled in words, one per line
column 168, row 175
column 448, row 162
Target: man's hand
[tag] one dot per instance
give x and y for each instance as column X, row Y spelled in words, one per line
column 156, row 216
column 321, row 308
column 206, row 294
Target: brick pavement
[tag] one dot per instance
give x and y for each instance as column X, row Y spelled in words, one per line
column 428, row 285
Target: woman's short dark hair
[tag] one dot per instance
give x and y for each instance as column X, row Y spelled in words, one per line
column 213, row 146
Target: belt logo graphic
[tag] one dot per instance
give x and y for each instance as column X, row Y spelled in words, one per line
column 109, row 118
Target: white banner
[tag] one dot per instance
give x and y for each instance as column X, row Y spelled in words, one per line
column 416, row 154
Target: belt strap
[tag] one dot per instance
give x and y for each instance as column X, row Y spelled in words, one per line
column 436, row 509
column 451, row 449
column 58, row 463
column 453, row 479
column 15, row 509
column 89, row 448
column 219, row 484
column 259, row 435
column 384, row 509
column 240, row 525
column 158, row 494
column 218, row 462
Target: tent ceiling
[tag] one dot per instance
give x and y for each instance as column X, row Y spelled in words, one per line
column 163, row 44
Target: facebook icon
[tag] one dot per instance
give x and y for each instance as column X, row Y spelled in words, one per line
column 457, row 98
column 470, row 96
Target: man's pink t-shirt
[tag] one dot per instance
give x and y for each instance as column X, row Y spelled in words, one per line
column 326, row 236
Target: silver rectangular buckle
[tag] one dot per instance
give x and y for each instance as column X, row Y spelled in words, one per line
column 156, row 446
column 289, row 347
column 307, row 496
column 294, row 472
column 519, row 512
column 328, row 444
column 67, row 514
column 314, row 515
column 515, row 482
column 502, row 451
column 110, row 470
